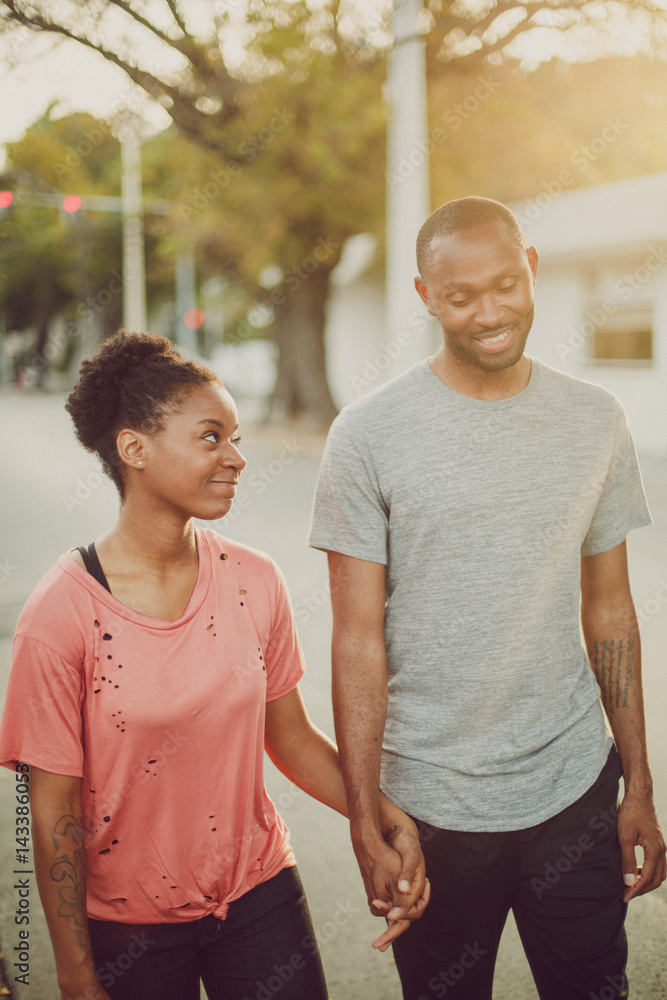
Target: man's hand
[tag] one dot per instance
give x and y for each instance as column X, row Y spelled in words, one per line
column 637, row 825
column 394, row 877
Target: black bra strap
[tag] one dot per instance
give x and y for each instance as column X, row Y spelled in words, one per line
column 91, row 561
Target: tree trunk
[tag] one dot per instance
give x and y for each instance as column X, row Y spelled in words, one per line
column 39, row 362
column 301, row 390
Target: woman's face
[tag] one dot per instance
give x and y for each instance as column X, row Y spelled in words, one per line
column 191, row 466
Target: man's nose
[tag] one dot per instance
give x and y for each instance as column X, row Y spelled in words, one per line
column 489, row 310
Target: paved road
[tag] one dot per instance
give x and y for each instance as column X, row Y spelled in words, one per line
column 54, row 498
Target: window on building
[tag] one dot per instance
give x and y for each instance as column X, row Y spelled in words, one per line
column 624, row 336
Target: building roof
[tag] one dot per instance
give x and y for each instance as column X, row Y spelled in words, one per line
column 620, row 215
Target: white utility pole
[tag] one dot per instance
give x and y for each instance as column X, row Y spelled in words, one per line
column 408, row 201
column 186, row 299
column 134, row 268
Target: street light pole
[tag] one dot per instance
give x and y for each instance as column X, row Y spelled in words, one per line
column 134, row 269
column 186, row 299
column 408, row 201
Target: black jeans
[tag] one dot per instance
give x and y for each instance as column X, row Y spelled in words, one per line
column 563, row 881
column 265, row 948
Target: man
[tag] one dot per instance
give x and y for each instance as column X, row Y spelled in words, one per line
column 466, row 507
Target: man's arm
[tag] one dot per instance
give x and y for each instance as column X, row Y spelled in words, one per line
column 360, row 706
column 612, row 639
column 57, row 833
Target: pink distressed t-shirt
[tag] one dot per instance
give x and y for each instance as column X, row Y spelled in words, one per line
column 164, row 721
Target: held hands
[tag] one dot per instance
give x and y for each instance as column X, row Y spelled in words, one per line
column 637, row 825
column 393, row 872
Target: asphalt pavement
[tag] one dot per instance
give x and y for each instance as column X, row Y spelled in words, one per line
column 54, row 497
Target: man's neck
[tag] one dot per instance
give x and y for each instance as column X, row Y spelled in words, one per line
column 481, row 384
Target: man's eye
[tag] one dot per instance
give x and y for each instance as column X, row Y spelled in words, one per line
column 459, row 302
column 508, row 288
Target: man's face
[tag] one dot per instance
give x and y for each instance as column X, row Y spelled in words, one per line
column 480, row 287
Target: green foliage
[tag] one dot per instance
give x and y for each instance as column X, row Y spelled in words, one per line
column 50, row 262
column 535, row 126
column 306, row 151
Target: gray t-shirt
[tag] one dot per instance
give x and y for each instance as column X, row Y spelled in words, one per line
column 481, row 511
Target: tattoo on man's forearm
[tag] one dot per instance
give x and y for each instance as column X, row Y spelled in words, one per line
column 612, row 663
column 69, row 868
column 388, row 834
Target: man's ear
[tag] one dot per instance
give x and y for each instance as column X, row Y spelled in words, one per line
column 422, row 292
column 533, row 260
column 131, row 447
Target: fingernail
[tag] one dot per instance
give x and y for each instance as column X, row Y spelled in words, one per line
column 404, row 885
column 394, row 914
column 630, row 879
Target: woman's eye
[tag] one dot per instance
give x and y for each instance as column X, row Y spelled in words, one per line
column 211, row 436
column 236, row 440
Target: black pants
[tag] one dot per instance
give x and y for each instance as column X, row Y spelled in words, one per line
column 264, row 948
column 563, row 881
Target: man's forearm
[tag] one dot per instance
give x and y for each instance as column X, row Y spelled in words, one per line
column 360, row 707
column 615, row 655
column 612, row 640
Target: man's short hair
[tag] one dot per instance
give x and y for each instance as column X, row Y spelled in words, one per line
column 464, row 213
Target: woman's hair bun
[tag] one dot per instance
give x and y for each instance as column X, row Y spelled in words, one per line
column 129, row 382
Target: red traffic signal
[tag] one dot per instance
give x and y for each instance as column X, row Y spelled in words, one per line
column 6, row 198
column 194, row 318
column 72, row 203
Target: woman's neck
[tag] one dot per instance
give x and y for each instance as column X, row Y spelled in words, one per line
column 142, row 537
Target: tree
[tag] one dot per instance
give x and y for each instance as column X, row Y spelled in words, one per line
column 301, row 122
column 559, row 127
column 306, row 173
column 471, row 35
column 52, row 263
column 312, row 178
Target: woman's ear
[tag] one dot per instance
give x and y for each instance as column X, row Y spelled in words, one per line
column 131, row 447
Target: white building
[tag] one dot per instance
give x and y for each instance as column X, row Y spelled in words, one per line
column 601, row 300
column 601, row 294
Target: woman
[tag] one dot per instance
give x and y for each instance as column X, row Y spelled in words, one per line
column 167, row 660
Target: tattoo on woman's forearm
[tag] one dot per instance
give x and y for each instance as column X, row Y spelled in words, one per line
column 612, row 663
column 69, row 869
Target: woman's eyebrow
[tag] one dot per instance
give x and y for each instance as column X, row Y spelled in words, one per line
column 216, row 423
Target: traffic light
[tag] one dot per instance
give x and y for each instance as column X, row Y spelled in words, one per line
column 72, row 203
column 194, row 318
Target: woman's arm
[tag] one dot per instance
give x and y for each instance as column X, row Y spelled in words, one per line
column 308, row 758
column 60, row 864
